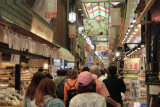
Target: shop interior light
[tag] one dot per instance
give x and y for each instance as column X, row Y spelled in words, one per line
column 134, row 33
column 134, row 20
column 27, row 70
column 136, row 30
column 136, row 50
column 72, row 17
column 117, row 54
column 139, row 48
column 139, row 25
column 142, row 46
column 131, row 36
column 127, row 33
column 131, row 25
column 45, row 66
column 79, row 9
column 129, row 30
column 82, row 14
column 125, row 36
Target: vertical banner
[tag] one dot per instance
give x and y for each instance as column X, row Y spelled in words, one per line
column 115, row 16
column 72, row 31
column 51, row 9
column 47, row 9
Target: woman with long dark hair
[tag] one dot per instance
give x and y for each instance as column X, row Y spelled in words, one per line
column 31, row 91
column 46, row 94
column 87, row 96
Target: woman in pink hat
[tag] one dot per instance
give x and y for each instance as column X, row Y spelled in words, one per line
column 87, row 96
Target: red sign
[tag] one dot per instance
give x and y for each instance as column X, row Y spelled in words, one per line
column 72, row 35
column 50, row 14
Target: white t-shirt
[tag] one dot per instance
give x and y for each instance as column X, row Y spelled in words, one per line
column 88, row 100
column 102, row 78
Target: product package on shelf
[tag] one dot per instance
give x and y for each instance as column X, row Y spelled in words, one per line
column 10, row 97
column 7, row 77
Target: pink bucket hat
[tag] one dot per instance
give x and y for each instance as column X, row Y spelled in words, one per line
column 85, row 78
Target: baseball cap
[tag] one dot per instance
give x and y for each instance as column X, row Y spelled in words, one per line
column 85, row 78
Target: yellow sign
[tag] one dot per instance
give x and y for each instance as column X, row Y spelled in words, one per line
column 41, row 30
column 132, row 64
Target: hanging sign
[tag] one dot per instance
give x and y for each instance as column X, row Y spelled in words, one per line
column 102, row 43
column 132, row 64
column 72, row 31
column 94, row 27
column 102, row 38
column 115, row 16
column 51, row 9
column 41, row 30
column 15, row 59
column 101, row 48
column 104, row 53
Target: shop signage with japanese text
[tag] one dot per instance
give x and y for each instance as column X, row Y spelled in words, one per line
column 72, row 31
column 132, row 64
column 41, row 30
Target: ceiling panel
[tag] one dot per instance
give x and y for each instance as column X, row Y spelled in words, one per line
column 98, row 11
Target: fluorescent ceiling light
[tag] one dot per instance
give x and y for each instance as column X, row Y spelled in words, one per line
column 115, row 3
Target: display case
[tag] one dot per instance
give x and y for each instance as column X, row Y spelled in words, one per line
column 7, row 77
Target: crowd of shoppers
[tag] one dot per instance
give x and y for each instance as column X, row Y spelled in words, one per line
column 89, row 87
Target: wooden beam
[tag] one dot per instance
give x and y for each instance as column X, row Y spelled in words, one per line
column 144, row 12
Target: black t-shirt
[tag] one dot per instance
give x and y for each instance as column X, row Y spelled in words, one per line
column 115, row 86
column 158, row 100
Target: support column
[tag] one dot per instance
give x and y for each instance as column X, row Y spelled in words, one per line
column 17, row 77
column 0, row 59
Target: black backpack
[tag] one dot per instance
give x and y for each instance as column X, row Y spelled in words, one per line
column 60, row 89
column 71, row 93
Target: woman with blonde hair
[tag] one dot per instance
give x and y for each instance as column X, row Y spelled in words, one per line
column 70, row 87
column 46, row 94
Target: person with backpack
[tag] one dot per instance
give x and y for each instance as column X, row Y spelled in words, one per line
column 87, row 96
column 70, row 87
column 46, row 95
column 61, row 76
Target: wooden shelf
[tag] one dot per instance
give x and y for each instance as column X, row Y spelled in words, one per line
column 6, row 75
column 4, row 82
column 26, row 79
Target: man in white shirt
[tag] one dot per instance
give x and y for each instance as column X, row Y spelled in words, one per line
column 103, row 76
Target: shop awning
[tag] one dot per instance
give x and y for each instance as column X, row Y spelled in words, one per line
column 65, row 54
